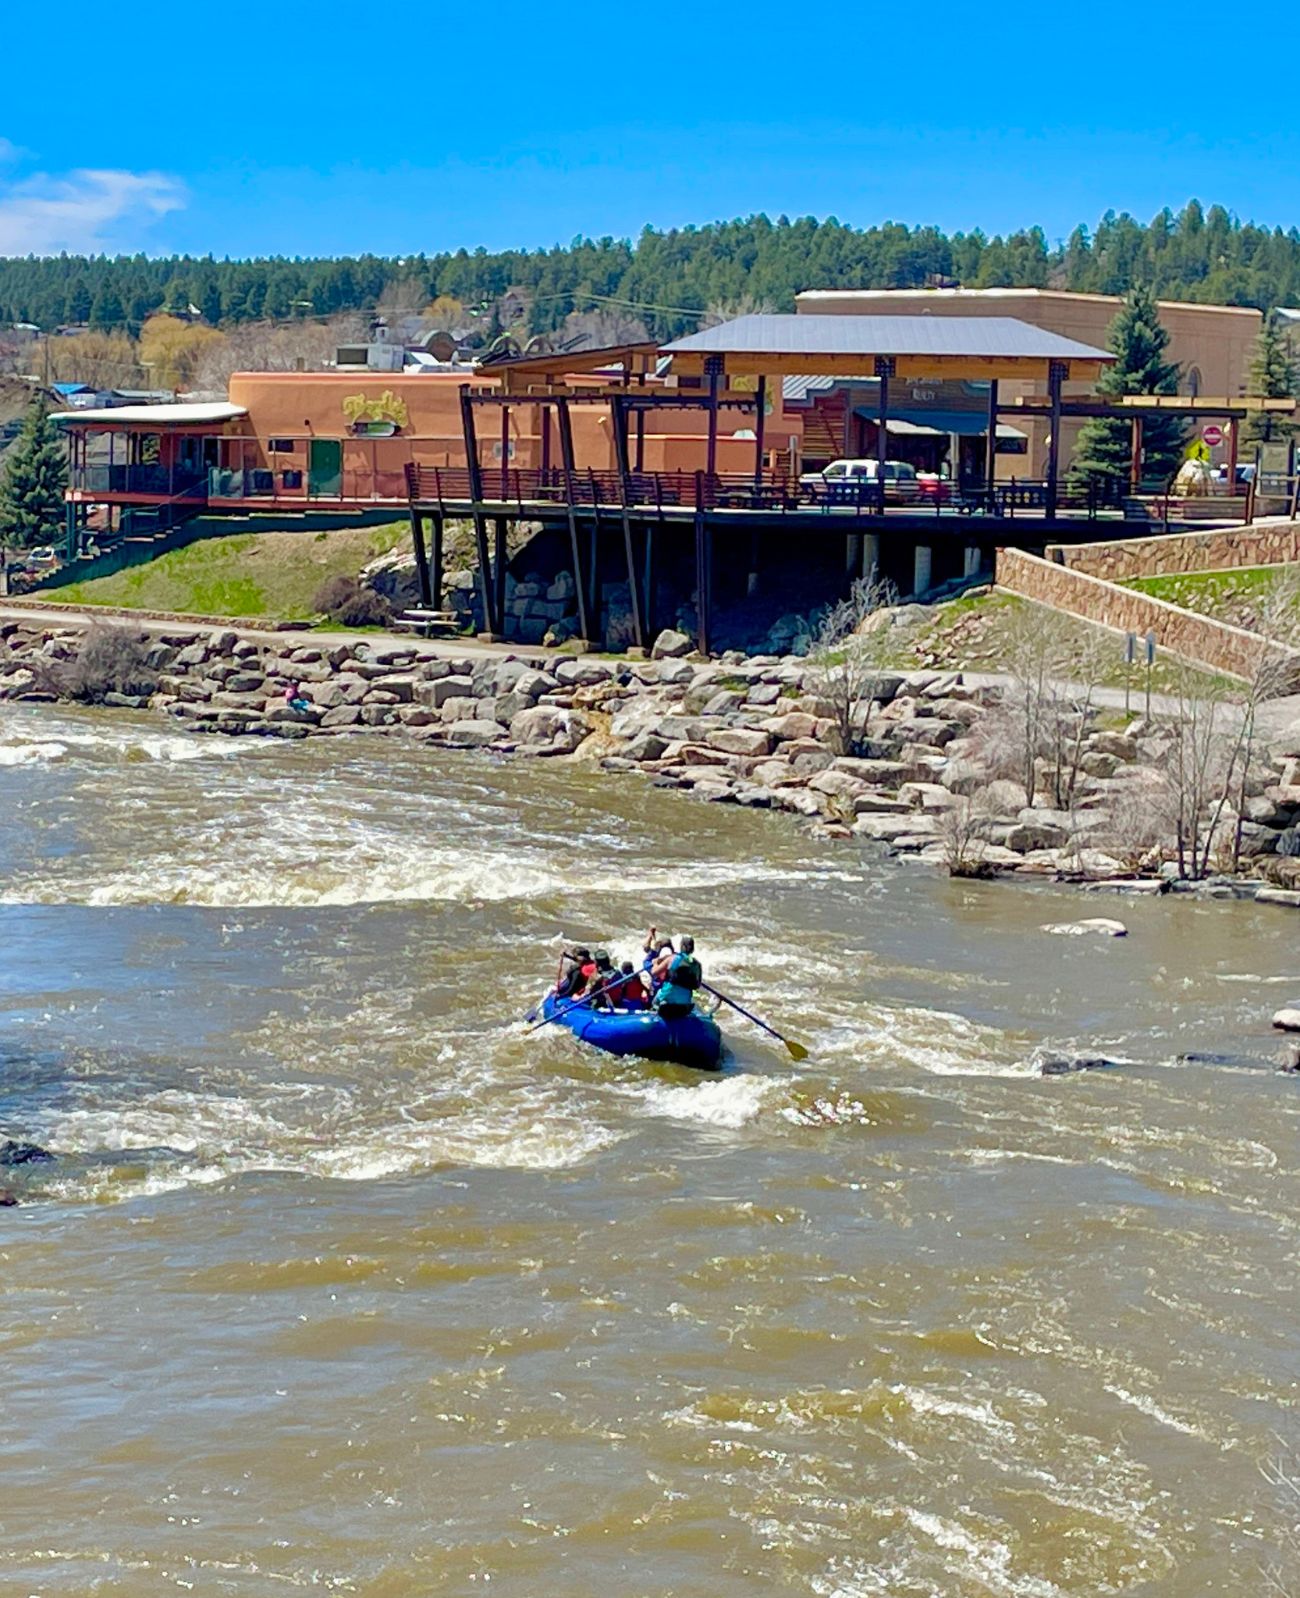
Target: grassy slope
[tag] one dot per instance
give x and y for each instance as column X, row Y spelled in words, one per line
column 1231, row 596
column 978, row 633
column 242, row 574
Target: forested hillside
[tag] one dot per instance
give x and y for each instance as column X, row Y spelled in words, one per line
column 668, row 279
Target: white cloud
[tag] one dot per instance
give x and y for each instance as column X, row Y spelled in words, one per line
column 83, row 211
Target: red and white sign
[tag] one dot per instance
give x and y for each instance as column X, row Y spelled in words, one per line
column 1212, row 433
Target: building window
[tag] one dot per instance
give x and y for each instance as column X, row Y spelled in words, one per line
column 283, row 446
column 1194, row 381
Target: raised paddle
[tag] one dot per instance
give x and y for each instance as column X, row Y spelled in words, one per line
column 796, row 1050
column 582, row 998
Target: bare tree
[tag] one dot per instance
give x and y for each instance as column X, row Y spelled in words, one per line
column 962, row 829
column 1043, row 722
column 275, row 347
column 847, row 660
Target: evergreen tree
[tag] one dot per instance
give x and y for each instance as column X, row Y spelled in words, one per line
column 1272, row 376
column 31, row 491
column 106, row 313
column 1104, row 450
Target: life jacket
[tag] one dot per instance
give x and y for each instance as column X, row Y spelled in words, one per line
column 686, row 972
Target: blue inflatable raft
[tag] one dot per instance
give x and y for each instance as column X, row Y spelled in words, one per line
column 694, row 1040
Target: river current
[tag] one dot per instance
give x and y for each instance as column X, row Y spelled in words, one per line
column 343, row 1283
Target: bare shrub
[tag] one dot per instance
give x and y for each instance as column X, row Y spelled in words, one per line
column 847, row 662
column 1282, row 1473
column 111, row 660
column 1047, row 711
column 1132, row 826
column 351, row 604
column 963, row 830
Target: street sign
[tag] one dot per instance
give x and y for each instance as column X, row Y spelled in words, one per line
column 1212, row 433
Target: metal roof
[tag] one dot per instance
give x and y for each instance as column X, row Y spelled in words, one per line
column 179, row 415
column 977, row 337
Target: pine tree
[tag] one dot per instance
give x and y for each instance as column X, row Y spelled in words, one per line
column 1272, row 376
column 106, row 313
column 31, row 491
column 1104, row 449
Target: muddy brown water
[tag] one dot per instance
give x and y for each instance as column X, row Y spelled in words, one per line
column 342, row 1283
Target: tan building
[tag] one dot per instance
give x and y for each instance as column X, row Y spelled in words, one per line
column 1211, row 343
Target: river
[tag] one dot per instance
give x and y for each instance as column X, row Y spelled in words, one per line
column 344, row 1283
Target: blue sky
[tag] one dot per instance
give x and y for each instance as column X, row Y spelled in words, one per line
column 397, row 129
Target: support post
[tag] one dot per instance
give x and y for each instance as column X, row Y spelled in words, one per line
column 484, row 571
column 629, row 551
column 870, row 557
column 499, row 573
column 545, row 415
column 884, row 371
column 594, row 606
column 1056, row 371
column 421, row 558
column 702, row 582
column 640, row 440
column 505, row 452
column 922, row 568
column 759, row 420
column 476, row 501
column 991, row 441
column 713, row 367
column 435, row 562
column 1135, row 455
column 565, row 422
column 650, row 579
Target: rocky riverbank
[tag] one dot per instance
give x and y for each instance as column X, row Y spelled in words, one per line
column 926, row 778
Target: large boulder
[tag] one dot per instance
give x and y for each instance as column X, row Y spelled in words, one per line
column 473, row 734
column 670, row 644
column 437, row 693
column 740, row 741
column 549, row 727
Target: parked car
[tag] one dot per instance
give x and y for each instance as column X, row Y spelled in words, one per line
column 41, row 559
column 848, row 477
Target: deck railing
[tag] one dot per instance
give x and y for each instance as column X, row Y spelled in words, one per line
column 767, row 491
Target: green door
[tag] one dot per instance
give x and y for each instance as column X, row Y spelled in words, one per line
column 325, row 468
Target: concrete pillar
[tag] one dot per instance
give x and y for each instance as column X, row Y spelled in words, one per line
column 852, row 553
column 971, row 560
column 871, row 556
column 921, row 569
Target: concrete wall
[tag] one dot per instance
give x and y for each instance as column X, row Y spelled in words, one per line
column 1197, row 638
column 1260, row 544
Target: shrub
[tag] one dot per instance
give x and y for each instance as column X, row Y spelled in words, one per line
column 334, row 591
column 111, row 660
column 344, row 600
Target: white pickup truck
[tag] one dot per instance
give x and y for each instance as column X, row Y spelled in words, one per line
column 841, row 479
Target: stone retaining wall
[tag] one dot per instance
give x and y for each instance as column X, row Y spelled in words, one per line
column 1192, row 637
column 1118, row 560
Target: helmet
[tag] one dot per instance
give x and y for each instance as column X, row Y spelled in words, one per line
column 688, row 944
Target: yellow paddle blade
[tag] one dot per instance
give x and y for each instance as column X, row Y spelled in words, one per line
column 796, row 1050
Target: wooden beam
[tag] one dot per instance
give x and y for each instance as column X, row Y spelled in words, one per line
column 702, row 605
column 1054, row 380
column 991, row 439
column 421, row 557
column 565, row 422
column 435, row 560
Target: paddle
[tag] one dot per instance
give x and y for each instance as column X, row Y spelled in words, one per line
column 796, row 1050
column 583, row 998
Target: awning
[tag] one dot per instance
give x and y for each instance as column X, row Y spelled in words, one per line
column 969, row 424
column 178, row 415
